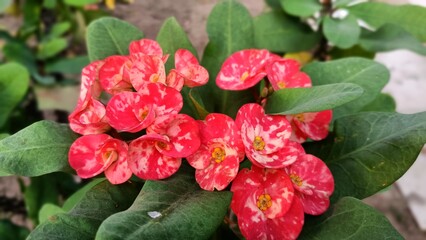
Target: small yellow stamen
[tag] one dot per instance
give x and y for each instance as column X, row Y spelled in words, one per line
column 264, row 202
column 244, row 76
column 109, row 156
column 155, row 77
column 218, row 154
column 143, row 114
column 258, row 143
column 299, row 117
column 162, row 145
column 281, row 85
column 296, row 179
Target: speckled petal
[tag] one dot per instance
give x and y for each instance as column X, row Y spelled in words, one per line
column 218, row 175
column 284, row 157
column 90, row 119
column 315, row 125
column 245, row 183
column 82, row 158
column 147, row 69
column 146, row 47
column 243, row 69
column 184, row 58
column 284, row 73
column 175, row 80
column 118, row 171
column 112, row 75
column 90, row 86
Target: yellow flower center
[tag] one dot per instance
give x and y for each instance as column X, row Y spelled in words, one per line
column 296, row 179
column 299, row 117
column 244, row 76
column 264, row 202
column 109, row 156
column 162, row 145
column 281, row 85
column 258, row 143
column 218, row 154
column 155, row 77
column 143, row 114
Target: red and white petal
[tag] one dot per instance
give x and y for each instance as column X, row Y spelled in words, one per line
column 114, row 155
column 288, row 227
column 90, row 86
column 147, row 69
column 129, row 112
column 218, row 175
column 284, row 73
column 145, row 47
column 90, row 119
column 243, row 186
column 201, row 158
column 82, row 157
column 184, row 58
column 175, row 80
column 284, row 157
column 315, row 125
column 313, row 204
column 194, row 75
column 148, row 163
column 112, row 75
column 243, row 69
column 183, row 135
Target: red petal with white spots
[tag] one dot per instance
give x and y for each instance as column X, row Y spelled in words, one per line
column 130, row 112
column 82, row 157
column 314, row 125
column 146, row 69
column 90, row 119
column 116, row 153
column 243, row 69
column 175, row 80
column 183, row 137
column 313, row 179
column 188, row 67
column 201, row 159
column 145, row 47
column 147, row 162
column 184, row 58
column 218, row 175
column 113, row 74
column 245, row 183
column 285, row 73
column 90, row 86
column 254, row 225
column 284, row 157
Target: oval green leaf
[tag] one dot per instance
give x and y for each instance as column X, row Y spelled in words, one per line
column 83, row 220
column 175, row 208
column 314, row 99
column 38, row 149
column 299, row 8
column 369, row 151
column 110, row 36
column 51, row 47
column 349, row 218
column 368, row 74
column 343, row 33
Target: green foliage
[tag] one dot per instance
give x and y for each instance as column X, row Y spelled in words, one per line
column 10, row 231
column 299, row 8
column 20, row 153
column 314, row 99
column 50, row 48
column 175, row 208
column 349, row 218
column 230, row 29
column 369, row 151
column 83, row 220
column 14, row 83
column 382, row 103
column 77, row 196
column 47, row 211
column 279, row 32
column 370, row 75
column 344, row 33
column 79, row 3
column 110, row 36
column 68, row 65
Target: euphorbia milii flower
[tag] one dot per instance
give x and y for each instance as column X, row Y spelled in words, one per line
column 90, row 86
column 89, row 118
column 158, row 155
column 313, row 183
column 147, row 47
column 264, row 202
column 91, row 155
column 284, row 73
column 218, row 158
column 114, row 74
column 266, row 137
column 313, row 125
column 146, row 69
column 243, row 69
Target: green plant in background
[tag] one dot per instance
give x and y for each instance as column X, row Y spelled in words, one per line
column 369, row 146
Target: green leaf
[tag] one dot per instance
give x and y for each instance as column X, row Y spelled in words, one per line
column 83, row 220
column 51, row 47
column 383, row 103
column 341, row 3
column 278, row 32
column 275, row 4
column 14, row 83
column 349, row 218
column 172, row 37
column 10, row 231
column 18, row 52
column 49, row 4
column 198, row 104
column 37, row 149
column 175, row 208
column 344, row 33
column 59, row 29
column 79, row 3
column 390, row 37
column 368, row 74
column 4, row 4
column 77, row 196
column 370, row 151
column 299, row 8
column 47, row 211
column 314, row 99
column 412, row 18
column 68, row 65
column 110, row 36
column 230, row 29
column 355, row 51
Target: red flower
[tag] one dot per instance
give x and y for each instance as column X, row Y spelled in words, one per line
column 284, row 73
column 313, row 183
column 91, row 155
column 158, row 155
column 243, row 69
column 90, row 86
column 218, row 158
column 114, row 74
column 146, row 69
column 89, row 118
column 313, row 125
column 147, row 47
column 266, row 137
column 264, row 202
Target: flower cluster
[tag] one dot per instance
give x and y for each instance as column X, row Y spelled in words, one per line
column 128, row 116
